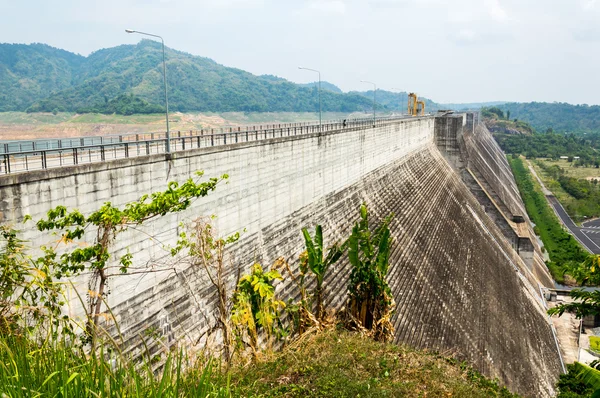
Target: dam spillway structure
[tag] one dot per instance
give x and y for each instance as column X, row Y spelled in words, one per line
column 465, row 269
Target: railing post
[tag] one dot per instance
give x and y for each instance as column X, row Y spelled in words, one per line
column 126, row 149
column 147, row 148
column 225, row 138
column 102, row 155
column 44, row 160
column 75, row 156
column 212, row 137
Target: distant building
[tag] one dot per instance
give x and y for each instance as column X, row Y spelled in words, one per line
column 575, row 157
column 564, row 157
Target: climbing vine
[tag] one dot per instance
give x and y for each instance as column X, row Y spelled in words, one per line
column 106, row 224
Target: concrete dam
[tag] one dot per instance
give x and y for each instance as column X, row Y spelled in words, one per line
column 465, row 267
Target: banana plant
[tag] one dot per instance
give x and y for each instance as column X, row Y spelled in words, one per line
column 319, row 264
column 370, row 298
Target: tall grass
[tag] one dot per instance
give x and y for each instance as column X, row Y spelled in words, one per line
column 54, row 369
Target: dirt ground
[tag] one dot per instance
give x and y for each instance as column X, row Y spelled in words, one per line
column 24, row 126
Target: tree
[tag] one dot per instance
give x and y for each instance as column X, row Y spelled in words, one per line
column 586, row 302
column 106, row 224
column 207, row 251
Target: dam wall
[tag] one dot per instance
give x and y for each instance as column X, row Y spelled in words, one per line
column 471, row 150
column 458, row 282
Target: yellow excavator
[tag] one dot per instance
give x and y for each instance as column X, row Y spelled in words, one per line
column 415, row 107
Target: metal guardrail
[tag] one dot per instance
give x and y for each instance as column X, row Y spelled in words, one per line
column 134, row 145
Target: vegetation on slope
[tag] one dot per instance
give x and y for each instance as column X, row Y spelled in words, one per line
column 560, row 117
column 551, row 145
column 499, row 122
column 31, row 72
column 55, row 80
column 561, row 246
column 337, row 363
column 330, row 363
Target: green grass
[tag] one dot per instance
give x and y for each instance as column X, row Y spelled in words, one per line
column 561, row 246
column 344, row 364
column 54, row 369
column 333, row 363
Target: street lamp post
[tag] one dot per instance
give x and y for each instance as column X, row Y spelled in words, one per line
column 374, row 91
column 320, row 113
column 168, row 145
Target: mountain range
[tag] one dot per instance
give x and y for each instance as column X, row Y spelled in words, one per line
column 38, row 77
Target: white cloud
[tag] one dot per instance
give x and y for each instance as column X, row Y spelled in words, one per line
column 496, row 11
column 589, row 4
column 328, row 6
column 465, row 36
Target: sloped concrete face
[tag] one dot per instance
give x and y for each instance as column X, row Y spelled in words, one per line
column 458, row 284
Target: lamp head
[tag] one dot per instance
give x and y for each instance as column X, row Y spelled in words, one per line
column 129, row 30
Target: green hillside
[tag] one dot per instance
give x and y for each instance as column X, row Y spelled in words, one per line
column 40, row 78
column 558, row 116
column 31, row 72
column 324, row 86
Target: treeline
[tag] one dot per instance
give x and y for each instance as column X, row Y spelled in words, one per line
column 123, row 105
column 560, row 117
column 552, row 145
column 561, row 246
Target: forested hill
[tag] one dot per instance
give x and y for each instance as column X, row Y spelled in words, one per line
column 560, row 117
column 38, row 77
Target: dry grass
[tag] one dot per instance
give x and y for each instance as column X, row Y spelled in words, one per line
column 343, row 364
column 576, row 172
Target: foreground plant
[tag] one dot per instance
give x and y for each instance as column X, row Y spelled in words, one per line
column 207, row 251
column 315, row 260
column 29, row 297
column 106, row 224
column 57, row 369
column 370, row 301
column 255, row 307
column 585, row 302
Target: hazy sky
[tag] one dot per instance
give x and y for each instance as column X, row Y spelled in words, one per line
column 450, row 51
